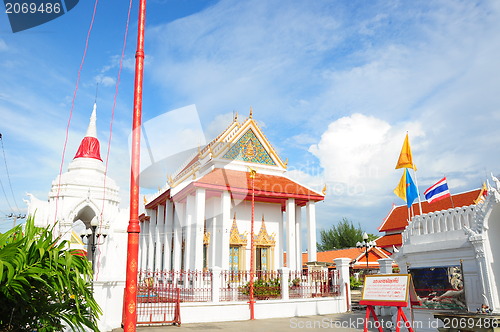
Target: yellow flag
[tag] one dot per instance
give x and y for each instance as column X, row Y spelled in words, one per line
column 400, row 190
column 405, row 158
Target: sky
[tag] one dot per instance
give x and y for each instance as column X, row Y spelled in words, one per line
column 334, row 85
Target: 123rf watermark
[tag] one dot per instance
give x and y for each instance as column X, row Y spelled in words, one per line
column 26, row 14
column 358, row 323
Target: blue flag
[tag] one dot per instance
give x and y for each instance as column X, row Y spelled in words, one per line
column 411, row 189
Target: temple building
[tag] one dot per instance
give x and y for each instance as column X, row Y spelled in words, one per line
column 202, row 216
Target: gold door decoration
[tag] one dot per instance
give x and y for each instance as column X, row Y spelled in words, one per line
column 237, row 244
column 264, row 243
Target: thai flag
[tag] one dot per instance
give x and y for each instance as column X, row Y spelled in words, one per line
column 437, row 191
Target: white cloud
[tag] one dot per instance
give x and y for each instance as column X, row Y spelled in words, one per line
column 3, row 45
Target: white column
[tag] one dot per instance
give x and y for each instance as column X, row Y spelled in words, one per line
column 225, row 223
column 281, row 237
column 199, row 223
column 188, row 238
column 385, row 265
column 298, row 237
column 213, row 242
column 178, row 215
column 311, row 231
column 151, row 240
column 216, row 283
column 285, row 276
column 143, row 245
column 291, row 261
column 160, row 236
column 167, row 235
column 342, row 265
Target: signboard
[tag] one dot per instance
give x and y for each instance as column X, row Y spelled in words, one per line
column 388, row 290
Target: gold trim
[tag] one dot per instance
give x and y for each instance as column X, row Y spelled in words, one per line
column 235, row 238
column 263, row 238
column 206, row 238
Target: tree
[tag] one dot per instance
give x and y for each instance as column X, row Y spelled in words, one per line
column 43, row 284
column 342, row 235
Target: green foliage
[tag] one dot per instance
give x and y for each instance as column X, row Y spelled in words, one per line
column 263, row 289
column 43, row 284
column 342, row 235
column 355, row 283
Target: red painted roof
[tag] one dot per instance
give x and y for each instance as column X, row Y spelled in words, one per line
column 390, row 240
column 398, row 217
column 265, row 185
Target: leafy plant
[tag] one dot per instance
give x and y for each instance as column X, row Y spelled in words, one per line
column 354, row 283
column 263, row 289
column 43, row 285
column 342, row 235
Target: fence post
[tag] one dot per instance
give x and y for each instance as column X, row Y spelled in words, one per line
column 385, row 268
column 385, row 265
column 342, row 265
column 285, row 277
column 216, row 277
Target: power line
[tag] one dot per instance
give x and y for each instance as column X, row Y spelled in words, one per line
column 8, row 177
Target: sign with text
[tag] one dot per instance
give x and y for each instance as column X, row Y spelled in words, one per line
column 388, row 289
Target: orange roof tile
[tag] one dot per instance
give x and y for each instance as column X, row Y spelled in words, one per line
column 390, row 240
column 357, row 256
column 398, row 217
column 265, row 185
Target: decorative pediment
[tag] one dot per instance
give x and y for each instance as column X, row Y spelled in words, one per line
column 263, row 238
column 235, row 238
column 249, row 148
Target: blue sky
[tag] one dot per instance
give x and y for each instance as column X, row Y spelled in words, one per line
column 334, row 85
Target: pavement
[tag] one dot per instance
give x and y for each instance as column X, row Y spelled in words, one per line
column 343, row 322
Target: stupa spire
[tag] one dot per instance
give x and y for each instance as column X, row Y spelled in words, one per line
column 89, row 147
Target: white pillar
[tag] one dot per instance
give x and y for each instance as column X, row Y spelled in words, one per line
column 214, row 238
column 225, row 223
column 298, row 237
column 385, row 265
column 188, row 237
column 311, row 231
column 178, row 215
column 216, row 283
column 285, row 277
column 159, row 236
column 281, row 237
column 151, row 240
column 342, row 265
column 291, row 261
column 199, row 228
column 143, row 245
column 167, row 237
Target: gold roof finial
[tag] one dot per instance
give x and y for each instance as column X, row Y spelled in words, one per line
column 235, row 117
column 324, row 190
column 286, row 163
column 252, row 172
column 251, row 112
column 145, row 200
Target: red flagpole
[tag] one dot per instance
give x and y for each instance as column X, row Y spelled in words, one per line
column 252, row 248
column 133, row 230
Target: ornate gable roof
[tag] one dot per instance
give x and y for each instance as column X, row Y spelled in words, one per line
column 249, row 148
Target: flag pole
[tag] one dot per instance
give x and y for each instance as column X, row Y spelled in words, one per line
column 418, row 191
column 133, row 229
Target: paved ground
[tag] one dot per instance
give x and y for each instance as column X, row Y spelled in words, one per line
column 345, row 322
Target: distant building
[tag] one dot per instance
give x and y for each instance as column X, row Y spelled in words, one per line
column 397, row 219
column 357, row 258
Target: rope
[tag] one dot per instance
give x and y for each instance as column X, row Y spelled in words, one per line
column 120, row 67
column 8, row 177
column 73, row 106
